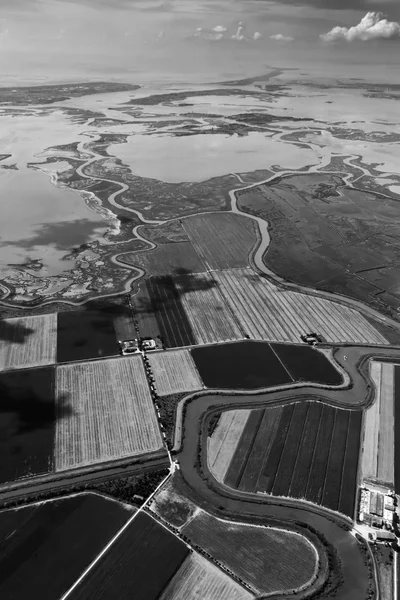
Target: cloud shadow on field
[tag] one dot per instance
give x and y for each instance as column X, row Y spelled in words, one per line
column 14, row 332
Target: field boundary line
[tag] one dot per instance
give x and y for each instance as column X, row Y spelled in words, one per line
column 282, row 363
column 344, row 457
column 112, row 541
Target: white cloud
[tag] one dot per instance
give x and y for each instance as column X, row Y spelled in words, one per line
column 371, row 27
column 257, row 36
column 219, row 29
column 239, row 34
column 281, row 38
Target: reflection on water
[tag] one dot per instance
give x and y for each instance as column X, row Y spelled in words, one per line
column 41, row 222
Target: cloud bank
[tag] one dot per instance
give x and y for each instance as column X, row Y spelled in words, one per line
column 371, row 27
column 278, row 37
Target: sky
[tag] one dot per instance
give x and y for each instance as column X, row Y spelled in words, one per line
column 196, row 40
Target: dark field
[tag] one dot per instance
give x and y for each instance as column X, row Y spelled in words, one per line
column 28, row 415
column 397, row 429
column 242, row 365
column 166, row 259
column 303, row 450
column 252, row 365
column 45, row 548
column 159, row 311
column 138, row 566
column 305, row 363
column 344, row 243
column 82, row 335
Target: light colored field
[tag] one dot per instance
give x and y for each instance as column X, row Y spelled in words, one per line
column 28, row 341
column 105, row 412
column 269, row 560
column 377, row 460
column 386, row 427
column 174, row 371
column 223, row 240
column 199, row 578
column 209, row 317
column 225, row 438
column 369, row 460
column 266, row 312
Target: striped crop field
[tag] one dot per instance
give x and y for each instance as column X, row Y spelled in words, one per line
column 174, row 371
column 210, row 319
column 223, row 240
column 190, row 310
column 304, row 450
column 378, row 442
column 267, row 312
column 267, row 559
column 106, row 413
column 222, row 444
column 28, row 341
column 200, row 578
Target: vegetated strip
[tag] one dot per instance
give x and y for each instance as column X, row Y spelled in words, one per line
column 141, row 562
column 28, row 341
column 397, row 429
column 369, row 461
column 386, row 426
column 200, row 578
column 44, row 548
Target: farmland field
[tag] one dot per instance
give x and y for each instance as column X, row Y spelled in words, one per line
column 223, row 240
column 200, row 578
column 305, row 363
column 397, row 433
column 268, row 559
column 138, row 565
column 28, row 341
column 302, row 450
column 112, row 413
column 223, row 441
column 244, row 365
column 378, row 441
column 189, row 310
column 145, row 313
column 45, row 547
column 166, row 259
column 174, row 371
column 369, row 459
column 328, row 240
column 85, row 334
column 267, row 312
column 28, row 415
column 253, row 364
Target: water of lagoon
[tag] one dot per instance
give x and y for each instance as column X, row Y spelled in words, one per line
column 39, row 221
